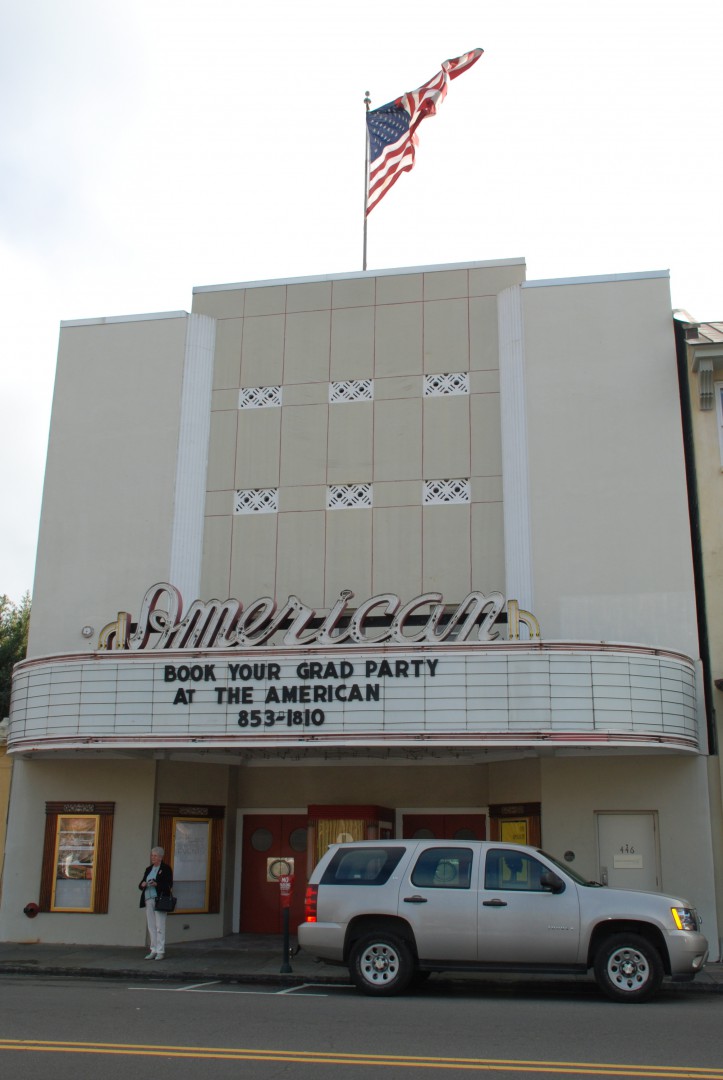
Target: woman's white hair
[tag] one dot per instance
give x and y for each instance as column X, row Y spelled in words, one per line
column 158, row 851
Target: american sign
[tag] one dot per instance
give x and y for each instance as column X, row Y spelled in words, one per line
column 215, row 624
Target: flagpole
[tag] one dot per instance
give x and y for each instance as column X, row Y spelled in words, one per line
column 367, row 102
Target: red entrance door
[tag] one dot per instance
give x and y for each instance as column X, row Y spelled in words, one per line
column 269, row 842
column 444, row 826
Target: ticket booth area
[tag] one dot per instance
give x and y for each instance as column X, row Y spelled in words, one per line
column 279, row 845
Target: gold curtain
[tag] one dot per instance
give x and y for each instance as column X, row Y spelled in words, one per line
column 337, row 831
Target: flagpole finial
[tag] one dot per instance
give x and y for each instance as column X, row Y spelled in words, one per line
column 367, row 99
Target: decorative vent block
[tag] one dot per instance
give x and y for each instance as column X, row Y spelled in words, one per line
column 348, row 496
column 259, row 397
column 355, row 390
column 445, row 492
column 441, row 385
column 257, row 501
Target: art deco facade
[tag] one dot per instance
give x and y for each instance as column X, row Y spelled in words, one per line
column 389, row 553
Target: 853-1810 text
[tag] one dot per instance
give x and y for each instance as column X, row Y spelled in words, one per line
column 254, row 718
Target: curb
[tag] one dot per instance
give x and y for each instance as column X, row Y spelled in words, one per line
column 172, row 975
column 293, row 979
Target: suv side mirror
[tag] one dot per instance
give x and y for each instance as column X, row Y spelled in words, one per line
column 550, row 880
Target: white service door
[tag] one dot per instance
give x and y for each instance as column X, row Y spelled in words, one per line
column 628, row 850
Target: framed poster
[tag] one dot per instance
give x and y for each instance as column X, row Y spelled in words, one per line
column 76, row 847
column 190, row 856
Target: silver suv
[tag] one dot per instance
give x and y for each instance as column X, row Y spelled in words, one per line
column 395, row 910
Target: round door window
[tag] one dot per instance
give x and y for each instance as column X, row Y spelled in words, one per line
column 464, row 834
column 261, row 839
column 423, row 834
column 297, row 840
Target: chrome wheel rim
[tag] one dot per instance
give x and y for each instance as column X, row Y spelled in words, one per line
column 628, row 969
column 379, row 964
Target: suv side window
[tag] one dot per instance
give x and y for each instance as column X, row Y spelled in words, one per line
column 443, row 868
column 506, row 868
column 362, row 866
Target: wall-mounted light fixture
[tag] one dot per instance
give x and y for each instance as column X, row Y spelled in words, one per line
column 87, row 631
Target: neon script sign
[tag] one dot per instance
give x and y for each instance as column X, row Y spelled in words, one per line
column 380, row 620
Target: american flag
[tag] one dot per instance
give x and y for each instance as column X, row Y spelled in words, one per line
column 392, row 128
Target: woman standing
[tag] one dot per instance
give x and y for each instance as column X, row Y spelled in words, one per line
column 157, row 881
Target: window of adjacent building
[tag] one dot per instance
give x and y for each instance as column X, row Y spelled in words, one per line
column 76, row 857
column 719, row 414
column 192, row 837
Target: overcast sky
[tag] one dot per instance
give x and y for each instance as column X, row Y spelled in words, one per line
column 147, row 147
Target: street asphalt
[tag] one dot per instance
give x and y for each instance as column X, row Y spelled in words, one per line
column 252, row 958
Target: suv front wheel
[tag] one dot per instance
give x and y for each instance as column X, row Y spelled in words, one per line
column 381, row 964
column 628, row 968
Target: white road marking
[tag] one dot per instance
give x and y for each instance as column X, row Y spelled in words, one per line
column 201, row 990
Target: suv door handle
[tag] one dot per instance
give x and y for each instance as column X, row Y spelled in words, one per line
column 494, row 903
column 415, row 899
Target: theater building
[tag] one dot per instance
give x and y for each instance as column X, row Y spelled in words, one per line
column 390, row 553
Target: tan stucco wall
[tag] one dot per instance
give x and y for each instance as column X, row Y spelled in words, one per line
column 37, row 782
column 515, row 781
column 393, row 329
column 417, row 786
column 107, row 509
column 196, row 783
column 609, row 513
column 181, row 780
column 573, row 789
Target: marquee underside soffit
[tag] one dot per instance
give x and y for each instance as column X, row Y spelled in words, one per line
column 258, row 757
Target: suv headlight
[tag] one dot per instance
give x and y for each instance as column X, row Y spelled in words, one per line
column 685, row 918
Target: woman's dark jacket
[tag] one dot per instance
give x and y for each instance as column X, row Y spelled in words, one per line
column 164, row 881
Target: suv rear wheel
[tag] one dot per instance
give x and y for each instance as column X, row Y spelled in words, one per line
column 628, row 968
column 381, row 964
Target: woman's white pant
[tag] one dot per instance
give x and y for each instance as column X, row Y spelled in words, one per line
column 156, row 927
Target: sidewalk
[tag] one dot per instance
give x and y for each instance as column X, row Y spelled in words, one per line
column 251, row 958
